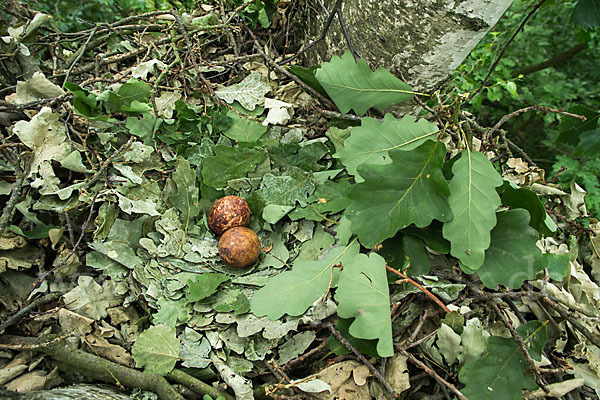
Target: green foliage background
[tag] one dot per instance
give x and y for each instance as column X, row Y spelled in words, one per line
column 576, row 80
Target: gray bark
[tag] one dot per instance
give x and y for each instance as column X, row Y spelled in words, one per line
column 423, row 40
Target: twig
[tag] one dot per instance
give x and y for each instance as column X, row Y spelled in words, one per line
column 332, row 14
column 9, row 208
column 362, row 358
column 520, row 342
column 346, row 35
column 431, row 373
column 106, row 163
column 7, row 145
column 304, row 356
column 288, row 73
column 188, row 43
column 495, row 64
column 16, row 317
column 545, row 109
column 336, row 114
column 418, row 342
column 584, row 331
column 516, row 148
column 443, row 387
column 81, row 51
column 36, row 104
column 418, row 286
column 75, row 246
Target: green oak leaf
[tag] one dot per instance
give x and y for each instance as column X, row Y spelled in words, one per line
column 293, row 292
column 472, row 341
column 365, row 346
column 513, row 256
column 558, row 265
column 352, row 85
column 231, row 299
column 431, row 235
column 156, row 349
column 371, row 142
column 307, row 75
column 410, row 190
column 134, row 90
column 448, row 342
column 518, row 197
column 363, row 294
column 85, row 102
column 195, row 349
column 502, row 373
column 473, row 200
column 229, row 163
column 534, row 336
column 204, row 285
column 144, row 128
column 244, row 129
column 249, row 93
column 186, row 197
column 414, row 248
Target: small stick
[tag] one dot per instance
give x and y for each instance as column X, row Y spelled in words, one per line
column 304, row 356
column 545, row 109
column 332, row 14
column 81, row 51
column 431, row 373
column 75, row 246
column 588, row 335
column 16, row 317
column 362, row 358
column 346, row 35
column 419, row 286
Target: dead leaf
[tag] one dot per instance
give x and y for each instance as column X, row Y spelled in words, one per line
column 112, row 352
column 71, row 322
column 343, row 385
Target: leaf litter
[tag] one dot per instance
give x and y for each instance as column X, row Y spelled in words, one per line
column 121, row 172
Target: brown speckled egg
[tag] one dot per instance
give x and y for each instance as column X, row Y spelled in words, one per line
column 239, row 247
column 228, row 212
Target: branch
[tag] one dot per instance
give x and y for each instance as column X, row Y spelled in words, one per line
column 495, row 64
column 545, row 109
column 100, row 369
column 196, row 385
column 554, row 61
column 520, row 342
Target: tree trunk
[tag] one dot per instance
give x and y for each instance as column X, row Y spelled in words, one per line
column 423, row 40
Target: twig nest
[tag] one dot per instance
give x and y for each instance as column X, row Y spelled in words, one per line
column 228, row 212
column 239, row 247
